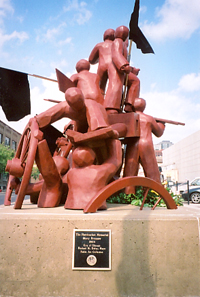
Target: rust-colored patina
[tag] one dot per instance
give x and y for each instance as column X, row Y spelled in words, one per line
column 80, row 170
column 120, row 184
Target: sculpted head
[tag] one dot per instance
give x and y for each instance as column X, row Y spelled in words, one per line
column 75, row 98
column 109, row 34
column 82, row 65
column 83, row 156
column 139, row 104
column 122, row 32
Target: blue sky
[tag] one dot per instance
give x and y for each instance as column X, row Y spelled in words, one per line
column 38, row 36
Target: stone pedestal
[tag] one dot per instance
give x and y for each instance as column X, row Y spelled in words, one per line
column 154, row 253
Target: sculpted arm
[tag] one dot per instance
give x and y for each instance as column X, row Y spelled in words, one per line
column 115, row 153
column 54, row 114
column 157, row 128
column 94, row 55
column 74, row 79
column 118, row 58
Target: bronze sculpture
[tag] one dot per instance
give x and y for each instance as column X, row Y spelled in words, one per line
column 142, row 150
column 85, row 179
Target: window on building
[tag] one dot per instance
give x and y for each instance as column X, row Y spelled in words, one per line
column 14, row 145
column 7, row 141
column 1, row 138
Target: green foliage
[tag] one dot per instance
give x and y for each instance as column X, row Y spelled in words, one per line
column 35, row 172
column 5, row 154
column 137, row 198
column 177, row 198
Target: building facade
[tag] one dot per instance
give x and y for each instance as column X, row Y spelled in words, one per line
column 8, row 137
column 181, row 162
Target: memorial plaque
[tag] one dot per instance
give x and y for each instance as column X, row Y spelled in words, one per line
column 91, row 249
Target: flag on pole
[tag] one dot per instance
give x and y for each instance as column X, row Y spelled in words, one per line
column 135, row 34
column 14, row 94
column 64, row 82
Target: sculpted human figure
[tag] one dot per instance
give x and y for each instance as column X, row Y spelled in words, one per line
column 142, row 150
column 102, row 54
column 112, row 100
column 84, row 103
column 73, row 108
column 132, row 83
column 85, row 179
column 88, row 83
column 50, row 190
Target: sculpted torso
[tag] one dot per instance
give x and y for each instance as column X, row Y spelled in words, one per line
column 89, row 85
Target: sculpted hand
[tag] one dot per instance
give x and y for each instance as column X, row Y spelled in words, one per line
column 126, row 69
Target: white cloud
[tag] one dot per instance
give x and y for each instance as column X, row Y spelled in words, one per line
column 5, row 7
column 66, row 41
column 143, row 9
column 59, row 65
column 81, row 13
column 51, row 34
column 190, row 82
column 177, row 19
column 176, row 106
column 21, row 36
column 51, row 91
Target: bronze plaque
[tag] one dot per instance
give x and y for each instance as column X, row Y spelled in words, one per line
column 91, row 249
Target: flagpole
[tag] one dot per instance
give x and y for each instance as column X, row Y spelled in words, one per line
column 42, row 77
column 52, row 100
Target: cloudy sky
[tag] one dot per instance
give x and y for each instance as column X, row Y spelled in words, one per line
column 38, row 36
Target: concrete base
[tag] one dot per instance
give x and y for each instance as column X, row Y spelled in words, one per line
column 154, row 253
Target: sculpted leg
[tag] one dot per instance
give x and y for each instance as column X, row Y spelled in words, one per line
column 131, row 162
column 51, row 191
column 96, row 115
column 133, row 91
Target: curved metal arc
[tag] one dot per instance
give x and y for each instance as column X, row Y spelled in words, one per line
column 115, row 186
column 19, row 148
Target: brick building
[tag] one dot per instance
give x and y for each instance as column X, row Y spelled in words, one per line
column 8, row 137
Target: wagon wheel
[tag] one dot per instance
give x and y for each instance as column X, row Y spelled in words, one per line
column 24, row 156
column 20, row 156
column 120, row 184
column 26, row 153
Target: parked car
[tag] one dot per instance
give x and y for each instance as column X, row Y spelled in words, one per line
column 194, row 191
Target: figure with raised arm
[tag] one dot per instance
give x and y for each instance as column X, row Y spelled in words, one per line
column 85, row 179
column 102, row 54
column 112, row 100
column 141, row 150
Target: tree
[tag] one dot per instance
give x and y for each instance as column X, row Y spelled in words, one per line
column 35, row 172
column 6, row 153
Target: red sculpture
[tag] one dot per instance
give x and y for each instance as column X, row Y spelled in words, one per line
column 112, row 100
column 85, row 179
column 80, row 172
column 133, row 85
column 102, row 54
column 141, row 150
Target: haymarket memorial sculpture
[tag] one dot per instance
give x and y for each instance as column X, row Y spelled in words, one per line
column 80, row 168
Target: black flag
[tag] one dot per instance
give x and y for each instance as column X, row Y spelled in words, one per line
column 136, row 34
column 14, row 94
